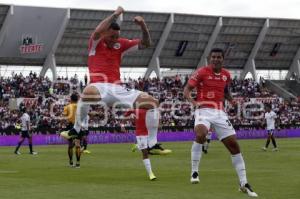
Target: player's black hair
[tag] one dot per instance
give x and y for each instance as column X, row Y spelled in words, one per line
column 268, row 106
column 217, row 50
column 114, row 26
column 74, row 97
column 22, row 109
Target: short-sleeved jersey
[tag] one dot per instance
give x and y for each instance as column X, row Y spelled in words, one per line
column 270, row 119
column 140, row 121
column 25, row 119
column 70, row 112
column 210, row 86
column 104, row 63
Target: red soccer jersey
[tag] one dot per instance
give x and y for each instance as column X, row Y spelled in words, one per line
column 140, row 121
column 104, row 63
column 210, row 86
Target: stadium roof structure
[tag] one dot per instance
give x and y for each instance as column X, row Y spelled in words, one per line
column 59, row 36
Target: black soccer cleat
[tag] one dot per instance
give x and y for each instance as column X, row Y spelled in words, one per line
column 157, row 149
column 195, row 178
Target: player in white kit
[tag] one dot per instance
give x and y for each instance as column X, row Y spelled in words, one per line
column 270, row 117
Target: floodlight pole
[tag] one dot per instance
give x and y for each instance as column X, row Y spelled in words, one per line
column 50, row 61
column 3, row 31
column 154, row 64
column 8, row 18
column 250, row 64
column 210, row 43
column 295, row 68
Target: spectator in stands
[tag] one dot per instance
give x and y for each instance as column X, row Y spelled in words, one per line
column 19, row 86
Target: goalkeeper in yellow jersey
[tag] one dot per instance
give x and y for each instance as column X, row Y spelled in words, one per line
column 69, row 113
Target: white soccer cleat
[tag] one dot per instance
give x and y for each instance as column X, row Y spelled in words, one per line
column 275, row 149
column 33, row 153
column 264, row 148
column 195, row 178
column 247, row 189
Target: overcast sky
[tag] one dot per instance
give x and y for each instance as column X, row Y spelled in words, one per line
column 252, row 8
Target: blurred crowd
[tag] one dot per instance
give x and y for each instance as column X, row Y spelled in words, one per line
column 45, row 101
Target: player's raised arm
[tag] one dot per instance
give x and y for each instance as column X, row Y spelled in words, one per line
column 102, row 29
column 146, row 40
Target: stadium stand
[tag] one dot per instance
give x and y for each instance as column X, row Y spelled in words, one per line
column 46, row 105
column 180, row 41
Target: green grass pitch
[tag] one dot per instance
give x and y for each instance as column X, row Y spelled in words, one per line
column 113, row 171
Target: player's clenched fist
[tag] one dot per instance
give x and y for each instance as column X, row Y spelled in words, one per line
column 119, row 10
column 139, row 20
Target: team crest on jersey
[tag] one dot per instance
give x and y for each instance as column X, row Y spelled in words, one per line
column 224, row 78
column 117, row 46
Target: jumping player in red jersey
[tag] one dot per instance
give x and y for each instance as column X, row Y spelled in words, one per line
column 144, row 140
column 212, row 84
column 105, row 53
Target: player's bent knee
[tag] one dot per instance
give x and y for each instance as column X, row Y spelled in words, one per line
column 146, row 101
column 90, row 93
column 201, row 129
column 155, row 103
column 200, row 139
column 201, row 132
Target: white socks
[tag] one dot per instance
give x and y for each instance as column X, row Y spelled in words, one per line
column 81, row 115
column 147, row 165
column 239, row 165
column 237, row 161
column 196, row 153
column 85, row 123
column 152, row 123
